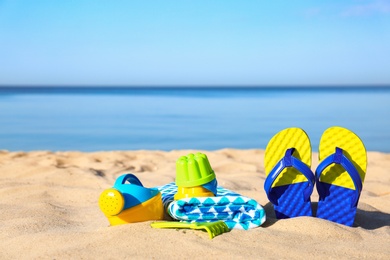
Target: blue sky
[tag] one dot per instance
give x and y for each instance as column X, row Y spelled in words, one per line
column 198, row 42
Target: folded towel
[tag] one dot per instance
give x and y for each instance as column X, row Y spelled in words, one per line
column 236, row 211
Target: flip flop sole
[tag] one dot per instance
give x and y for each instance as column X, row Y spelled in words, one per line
column 290, row 184
column 335, row 204
column 353, row 149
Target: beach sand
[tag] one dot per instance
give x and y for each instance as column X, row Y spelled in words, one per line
column 49, row 210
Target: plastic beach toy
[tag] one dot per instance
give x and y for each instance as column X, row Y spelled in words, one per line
column 340, row 175
column 128, row 202
column 213, row 228
column 289, row 181
column 194, row 177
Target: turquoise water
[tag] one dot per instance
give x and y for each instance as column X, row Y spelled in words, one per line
column 93, row 119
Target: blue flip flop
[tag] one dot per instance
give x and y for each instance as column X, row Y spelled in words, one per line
column 340, row 175
column 289, row 181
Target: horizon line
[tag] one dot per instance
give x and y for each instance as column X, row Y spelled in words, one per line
column 197, row 86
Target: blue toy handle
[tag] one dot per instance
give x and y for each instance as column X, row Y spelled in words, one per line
column 133, row 191
column 131, row 178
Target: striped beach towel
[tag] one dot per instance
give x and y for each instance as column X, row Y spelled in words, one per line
column 237, row 211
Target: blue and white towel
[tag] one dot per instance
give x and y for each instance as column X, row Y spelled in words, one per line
column 236, row 211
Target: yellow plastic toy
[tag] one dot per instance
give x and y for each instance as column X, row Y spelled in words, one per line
column 130, row 202
column 199, row 191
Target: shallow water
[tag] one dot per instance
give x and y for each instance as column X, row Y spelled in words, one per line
column 92, row 119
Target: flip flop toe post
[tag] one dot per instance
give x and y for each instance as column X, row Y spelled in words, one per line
column 340, row 175
column 289, row 182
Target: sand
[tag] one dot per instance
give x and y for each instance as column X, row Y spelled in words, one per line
column 49, row 210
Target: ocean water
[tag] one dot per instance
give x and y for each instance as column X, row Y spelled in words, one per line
column 95, row 119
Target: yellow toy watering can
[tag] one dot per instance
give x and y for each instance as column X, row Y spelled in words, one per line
column 128, row 202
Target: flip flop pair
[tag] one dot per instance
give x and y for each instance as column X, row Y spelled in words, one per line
column 338, row 178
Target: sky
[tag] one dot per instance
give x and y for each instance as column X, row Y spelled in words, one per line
column 194, row 43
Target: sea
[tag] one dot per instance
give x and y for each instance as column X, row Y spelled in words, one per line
column 199, row 118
